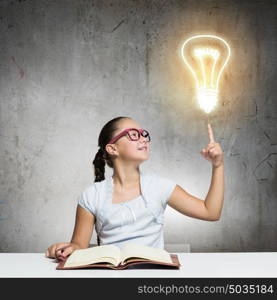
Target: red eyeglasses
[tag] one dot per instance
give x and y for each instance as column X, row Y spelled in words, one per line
column 133, row 133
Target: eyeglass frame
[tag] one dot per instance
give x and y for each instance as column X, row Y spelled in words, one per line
column 123, row 133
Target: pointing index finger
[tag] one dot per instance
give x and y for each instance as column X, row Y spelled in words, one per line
column 210, row 132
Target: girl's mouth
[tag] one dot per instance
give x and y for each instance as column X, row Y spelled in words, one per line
column 143, row 148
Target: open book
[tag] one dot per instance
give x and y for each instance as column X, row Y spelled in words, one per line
column 113, row 257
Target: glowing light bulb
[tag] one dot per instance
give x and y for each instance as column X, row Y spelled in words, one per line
column 206, row 56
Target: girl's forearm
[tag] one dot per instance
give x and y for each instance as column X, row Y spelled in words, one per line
column 215, row 196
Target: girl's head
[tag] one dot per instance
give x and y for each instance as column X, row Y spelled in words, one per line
column 117, row 146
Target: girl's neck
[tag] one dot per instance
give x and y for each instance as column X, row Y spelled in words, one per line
column 126, row 181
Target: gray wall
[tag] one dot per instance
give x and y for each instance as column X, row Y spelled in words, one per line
column 68, row 67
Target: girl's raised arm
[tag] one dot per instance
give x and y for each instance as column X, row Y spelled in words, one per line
column 210, row 208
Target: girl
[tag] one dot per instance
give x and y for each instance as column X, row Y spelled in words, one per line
column 129, row 205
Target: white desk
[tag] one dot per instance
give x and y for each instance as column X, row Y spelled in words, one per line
column 251, row 264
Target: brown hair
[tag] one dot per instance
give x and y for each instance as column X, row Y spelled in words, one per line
column 102, row 157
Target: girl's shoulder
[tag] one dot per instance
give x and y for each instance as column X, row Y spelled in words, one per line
column 156, row 178
column 149, row 179
column 94, row 187
column 89, row 197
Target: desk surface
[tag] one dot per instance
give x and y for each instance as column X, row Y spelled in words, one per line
column 234, row 264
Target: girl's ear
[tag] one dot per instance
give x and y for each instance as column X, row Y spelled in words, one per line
column 111, row 149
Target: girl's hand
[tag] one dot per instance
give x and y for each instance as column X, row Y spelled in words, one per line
column 213, row 151
column 61, row 250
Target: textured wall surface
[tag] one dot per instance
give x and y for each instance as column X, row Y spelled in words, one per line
column 68, row 67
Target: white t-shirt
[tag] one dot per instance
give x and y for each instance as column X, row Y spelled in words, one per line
column 130, row 221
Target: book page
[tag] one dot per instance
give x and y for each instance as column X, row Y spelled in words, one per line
column 132, row 250
column 105, row 253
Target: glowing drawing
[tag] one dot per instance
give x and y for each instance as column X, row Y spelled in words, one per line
column 206, row 56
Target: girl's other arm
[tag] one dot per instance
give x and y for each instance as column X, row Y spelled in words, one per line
column 83, row 228
column 84, row 224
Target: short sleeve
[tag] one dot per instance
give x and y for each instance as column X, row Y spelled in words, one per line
column 87, row 199
column 167, row 186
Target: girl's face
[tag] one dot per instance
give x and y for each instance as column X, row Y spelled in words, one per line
column 126, row 149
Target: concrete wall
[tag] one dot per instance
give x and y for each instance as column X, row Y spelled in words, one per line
column 68, row 67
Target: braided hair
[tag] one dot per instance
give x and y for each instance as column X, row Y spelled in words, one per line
column 102, row 157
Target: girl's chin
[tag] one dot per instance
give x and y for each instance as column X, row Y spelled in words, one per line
column 142, row 157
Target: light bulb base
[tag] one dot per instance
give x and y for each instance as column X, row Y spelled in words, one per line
column 207, row 98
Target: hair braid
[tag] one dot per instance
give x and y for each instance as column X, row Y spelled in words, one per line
column 99, row 166
column 102, row 157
